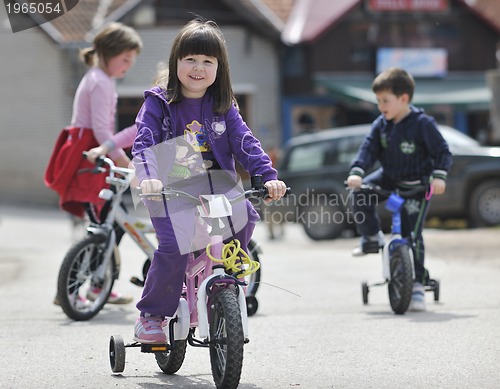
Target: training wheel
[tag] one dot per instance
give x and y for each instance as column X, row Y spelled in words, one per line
column 364, row 291
column 435, row 288
column 117, row 353
column 252, row 305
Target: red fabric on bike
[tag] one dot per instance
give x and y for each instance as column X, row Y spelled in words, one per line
column 62, row 172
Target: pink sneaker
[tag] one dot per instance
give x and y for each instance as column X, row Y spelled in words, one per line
column 114, row 297
column 149, row 330
column 80, row 303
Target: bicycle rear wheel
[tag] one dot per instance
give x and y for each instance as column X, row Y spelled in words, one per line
column 226, row 339
column 79, row 274
column 401, row 283
column 171, row 361
column 253, row 279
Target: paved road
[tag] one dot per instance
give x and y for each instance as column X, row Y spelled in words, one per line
column 311, row 330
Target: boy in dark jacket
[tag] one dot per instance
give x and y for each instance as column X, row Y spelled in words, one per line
column 412, row 152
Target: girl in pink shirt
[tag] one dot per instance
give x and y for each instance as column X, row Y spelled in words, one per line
column 113, row 53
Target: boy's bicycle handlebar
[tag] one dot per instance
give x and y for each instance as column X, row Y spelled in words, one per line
column 405, row 193
column 401, row 192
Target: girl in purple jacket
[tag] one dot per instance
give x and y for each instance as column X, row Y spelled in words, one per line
column 189, row 125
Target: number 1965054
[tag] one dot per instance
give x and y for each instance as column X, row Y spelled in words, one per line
column 34, row 8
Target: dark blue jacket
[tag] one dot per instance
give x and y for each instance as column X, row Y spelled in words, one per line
column 410, row 150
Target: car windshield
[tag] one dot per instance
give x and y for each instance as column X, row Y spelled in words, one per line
column 307, row 157
column 456, row 139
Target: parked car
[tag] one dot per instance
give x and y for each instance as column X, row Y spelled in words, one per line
column 316, row 166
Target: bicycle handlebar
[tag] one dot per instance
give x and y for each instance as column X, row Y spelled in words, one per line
column 401, row 192
column 101, row 161
column 171, row 192
column 120, row 181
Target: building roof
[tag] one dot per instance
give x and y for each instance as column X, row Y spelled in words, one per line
column 81, row 23
column 85, row 19
column 281, row 8
column 309, row 19
column 260, row 14
column 297, row 21
column 488, row 10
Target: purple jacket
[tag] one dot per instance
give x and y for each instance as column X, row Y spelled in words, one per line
column 228, row 135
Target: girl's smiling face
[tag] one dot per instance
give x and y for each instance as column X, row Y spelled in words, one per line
column 196, row 73
column 119, row 65
column 391, row 106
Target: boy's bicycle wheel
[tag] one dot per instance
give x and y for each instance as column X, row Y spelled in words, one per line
column 83, row 286
column 401, row 283
column 226, row 339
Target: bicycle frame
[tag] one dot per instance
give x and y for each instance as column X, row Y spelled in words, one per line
column 218, row 273
column 202, row 274
column 135, row 227
column 394, row 204
column 213, row 299
column 192, row 310
column 398, row 269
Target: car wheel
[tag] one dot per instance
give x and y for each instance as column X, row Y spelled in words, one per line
column 322, row 218
column 485, row 204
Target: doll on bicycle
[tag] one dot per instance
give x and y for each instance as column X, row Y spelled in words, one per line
column 412, row 152
column 193, row 113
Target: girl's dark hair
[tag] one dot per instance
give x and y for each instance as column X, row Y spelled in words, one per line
column 395, row 80
column 203, row 37
column 111, row 41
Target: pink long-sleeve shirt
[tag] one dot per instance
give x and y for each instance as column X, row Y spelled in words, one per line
column 95, row 107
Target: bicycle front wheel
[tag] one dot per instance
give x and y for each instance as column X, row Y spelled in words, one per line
column 84, row 285
column 401, row 283
column 226, row 339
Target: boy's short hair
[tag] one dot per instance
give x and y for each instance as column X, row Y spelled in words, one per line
column 395, row 80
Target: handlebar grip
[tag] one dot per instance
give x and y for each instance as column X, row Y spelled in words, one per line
column 98, row 161
column 98, row 166
column 256, row 181
column 266, row 196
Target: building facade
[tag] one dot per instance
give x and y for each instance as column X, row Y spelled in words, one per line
column 448, row 45
column 40, row 73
